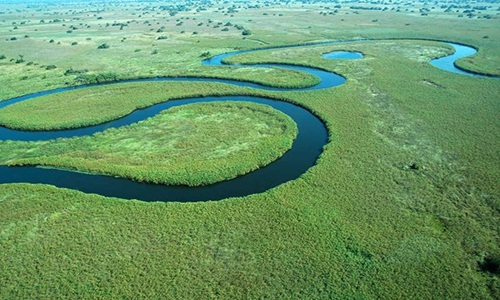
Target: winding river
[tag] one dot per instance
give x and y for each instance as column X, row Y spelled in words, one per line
column 304, row 153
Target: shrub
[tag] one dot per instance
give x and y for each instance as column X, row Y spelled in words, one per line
column 491, row 264
column 96, row 78
column 72, row 71
column 103, row 46
column 3, row 56
column 20, row 59
column 50, row 67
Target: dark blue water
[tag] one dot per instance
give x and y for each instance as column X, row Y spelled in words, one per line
column 305, row 150
column 304, row 153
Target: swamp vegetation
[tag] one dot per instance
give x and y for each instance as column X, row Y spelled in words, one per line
column 403, row 202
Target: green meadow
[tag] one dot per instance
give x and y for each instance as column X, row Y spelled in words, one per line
column 196, row 144
column 403, row 202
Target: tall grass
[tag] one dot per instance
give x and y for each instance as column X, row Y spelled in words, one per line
column 402, row 204
column 193, row 145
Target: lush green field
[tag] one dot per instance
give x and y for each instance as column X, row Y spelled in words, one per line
column 193, row 145
column 402, row 204
column 96, row 105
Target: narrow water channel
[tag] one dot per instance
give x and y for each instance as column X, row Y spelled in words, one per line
column 304, row 152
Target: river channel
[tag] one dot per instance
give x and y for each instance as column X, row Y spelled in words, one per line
column 306, row 149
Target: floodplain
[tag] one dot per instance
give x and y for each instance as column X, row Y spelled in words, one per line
column 403, row 201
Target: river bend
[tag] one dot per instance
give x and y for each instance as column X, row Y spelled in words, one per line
column 304, row 153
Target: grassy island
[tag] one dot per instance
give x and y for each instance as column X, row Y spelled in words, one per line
column 195, row 144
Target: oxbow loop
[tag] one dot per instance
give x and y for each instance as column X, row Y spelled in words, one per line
column 303, row 154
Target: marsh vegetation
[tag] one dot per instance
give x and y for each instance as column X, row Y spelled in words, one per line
column 402, row 203
column 197, row 144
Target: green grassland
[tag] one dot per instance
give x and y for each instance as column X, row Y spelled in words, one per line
column 197, row 144
column 99, row 104
column 403, row 203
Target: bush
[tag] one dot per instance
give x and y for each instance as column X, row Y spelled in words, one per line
column 3, row 56
column 246, row 32
column 96, row 78
column 163, row 37
column 72, row 71
column 50, row 67
column 20, row 59
column 103, row 46
column 491, row 264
